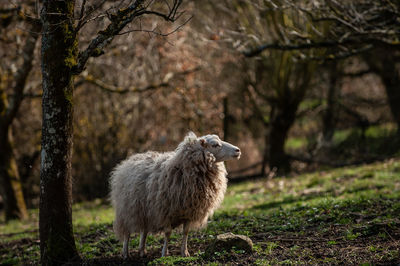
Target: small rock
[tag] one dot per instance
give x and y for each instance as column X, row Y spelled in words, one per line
column 225, row 242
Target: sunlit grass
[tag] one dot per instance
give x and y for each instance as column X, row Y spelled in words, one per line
column 84, row 215
column 350, row 137
column 378, row 179
column 294, row 143
column 16, row 229
column 95, row 212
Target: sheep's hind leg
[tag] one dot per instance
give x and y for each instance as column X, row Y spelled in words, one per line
column 165, row 247
column 184, row 250
column 125, row 249
column 142, row 245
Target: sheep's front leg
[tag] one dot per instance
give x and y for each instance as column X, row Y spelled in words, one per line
column 165, row 247
column 184, row 250
column 142, row 244
column 125, row 248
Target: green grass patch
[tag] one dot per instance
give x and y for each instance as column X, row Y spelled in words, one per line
column 174, row 260
column 340, row 216
column 295, row 143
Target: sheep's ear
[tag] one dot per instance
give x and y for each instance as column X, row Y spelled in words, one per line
column 203, row 143
column 190, row 137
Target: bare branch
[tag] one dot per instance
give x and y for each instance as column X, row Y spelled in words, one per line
column 158, row 32
column 81, row 16
column 353, row 29
column 287, row 47
column 113, row 89
column 341, row 55
column 118, row 22
column 85, row 18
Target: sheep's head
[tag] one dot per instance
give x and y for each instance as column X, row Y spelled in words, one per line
column 221, row 150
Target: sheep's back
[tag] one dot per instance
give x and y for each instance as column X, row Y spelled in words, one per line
column 129, row 190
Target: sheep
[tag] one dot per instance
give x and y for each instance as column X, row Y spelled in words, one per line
column 156, row 192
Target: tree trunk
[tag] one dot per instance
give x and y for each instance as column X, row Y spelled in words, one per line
column 265, row 158
column 10, row 183
column 59, row 55
column 391, row 78
column 282, row 118
column 386, row 66
column 330, row 113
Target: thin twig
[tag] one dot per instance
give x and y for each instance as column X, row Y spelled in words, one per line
column 155, row 32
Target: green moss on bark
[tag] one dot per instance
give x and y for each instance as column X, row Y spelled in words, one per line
column 69, row 96
column 71, row 46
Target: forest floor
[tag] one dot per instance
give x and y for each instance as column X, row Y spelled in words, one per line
column 339, row 216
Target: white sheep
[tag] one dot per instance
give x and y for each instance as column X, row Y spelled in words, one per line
column 156, row 192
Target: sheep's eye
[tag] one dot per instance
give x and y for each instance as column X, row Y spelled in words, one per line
column 216, row 145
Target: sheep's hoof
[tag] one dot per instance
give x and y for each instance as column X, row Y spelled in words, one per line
column 185, row 253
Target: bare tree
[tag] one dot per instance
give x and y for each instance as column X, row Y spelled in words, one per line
column 278, row 88
column 61, row 61
column 277, row 80
column 352, row 28
column 349, row 27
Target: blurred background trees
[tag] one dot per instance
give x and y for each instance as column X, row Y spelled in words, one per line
column 13, row 81
column 295, row 84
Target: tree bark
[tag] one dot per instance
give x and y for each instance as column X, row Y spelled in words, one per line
column 391, row 79
column 59, row 55
column 330, row 113
column 283, row 116
column 385, row 64
column 265, row 159
column 10, row 182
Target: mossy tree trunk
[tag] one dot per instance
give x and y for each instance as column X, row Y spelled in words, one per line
column 59, row 55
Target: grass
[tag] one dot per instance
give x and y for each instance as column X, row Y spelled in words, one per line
column 340, row 216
